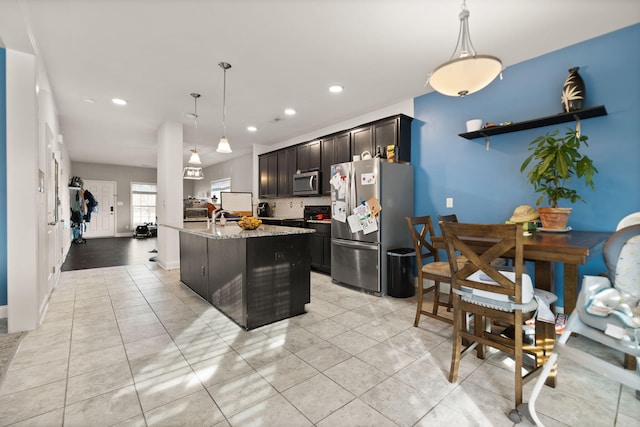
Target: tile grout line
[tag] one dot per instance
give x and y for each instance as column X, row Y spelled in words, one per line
column 179, row 350
column 126, row 355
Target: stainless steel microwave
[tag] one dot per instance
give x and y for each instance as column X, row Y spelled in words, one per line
column 306, row 184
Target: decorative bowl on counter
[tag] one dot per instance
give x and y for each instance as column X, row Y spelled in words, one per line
column 249, row 223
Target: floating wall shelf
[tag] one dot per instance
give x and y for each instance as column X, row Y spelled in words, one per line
column 586, row 113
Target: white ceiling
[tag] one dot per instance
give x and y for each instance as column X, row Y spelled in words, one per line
column 284, row 53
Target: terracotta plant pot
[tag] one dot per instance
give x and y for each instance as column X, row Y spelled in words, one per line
column 554, row 218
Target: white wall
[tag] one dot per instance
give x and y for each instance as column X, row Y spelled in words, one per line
column 169, row 201
column 238, row 169
column 34, row 247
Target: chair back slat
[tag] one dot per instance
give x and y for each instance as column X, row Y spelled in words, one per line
column 421, row 228
column 501, row 239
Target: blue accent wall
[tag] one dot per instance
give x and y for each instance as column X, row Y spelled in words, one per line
column 487, row 185
column 3, row 177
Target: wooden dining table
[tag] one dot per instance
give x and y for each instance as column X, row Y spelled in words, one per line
column 572, row 249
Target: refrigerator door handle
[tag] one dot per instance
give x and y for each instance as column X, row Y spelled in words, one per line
column 354, row 244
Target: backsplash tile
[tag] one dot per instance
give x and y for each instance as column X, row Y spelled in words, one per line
column 293, row 207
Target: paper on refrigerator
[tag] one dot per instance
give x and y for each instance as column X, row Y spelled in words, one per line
column 339, row 211
column 367, row 220
column 339, row 181
column 354, row 223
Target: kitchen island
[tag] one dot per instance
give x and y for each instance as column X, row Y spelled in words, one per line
column 255, row 277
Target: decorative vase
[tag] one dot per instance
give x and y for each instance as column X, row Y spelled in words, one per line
column 573, row 91
column 554, row 218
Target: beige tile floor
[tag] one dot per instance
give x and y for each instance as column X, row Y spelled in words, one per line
column 132, row 346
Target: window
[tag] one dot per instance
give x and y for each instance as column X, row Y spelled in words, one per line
column 219, row 186
column 143, row 203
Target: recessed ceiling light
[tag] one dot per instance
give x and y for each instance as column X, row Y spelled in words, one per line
column 336, row 88
column 290, row 112
column 252, row 128
column 119, row 101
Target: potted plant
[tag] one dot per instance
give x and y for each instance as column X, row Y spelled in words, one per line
column 556, row 161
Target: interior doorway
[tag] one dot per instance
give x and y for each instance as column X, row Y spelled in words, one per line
column 103, row 222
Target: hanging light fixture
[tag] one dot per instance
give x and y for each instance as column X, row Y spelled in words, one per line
column 195, row 157
column 192, row 172
column 466, row 72
column 223, row 145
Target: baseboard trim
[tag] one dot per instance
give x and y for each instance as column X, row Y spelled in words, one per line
column 168, row 266
column 4, row 311
column 124, row 235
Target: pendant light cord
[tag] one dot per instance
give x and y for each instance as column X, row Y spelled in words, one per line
column 225, row 66
column 224, row 102
column 195, row 117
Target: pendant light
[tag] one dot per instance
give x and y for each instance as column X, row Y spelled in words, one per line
column 192, row 172
column 195, row 157
column 223, row 145
column 466, row 72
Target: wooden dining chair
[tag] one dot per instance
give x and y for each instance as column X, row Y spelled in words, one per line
column 450, row 218
column 454, row 218
column 429, row 267
column 499, row 297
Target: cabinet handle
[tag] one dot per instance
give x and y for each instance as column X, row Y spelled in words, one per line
column 203, row 271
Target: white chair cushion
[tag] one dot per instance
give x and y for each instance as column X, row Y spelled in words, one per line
column 480, row 276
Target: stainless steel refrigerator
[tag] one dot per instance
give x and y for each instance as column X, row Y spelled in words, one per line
column 358, row 259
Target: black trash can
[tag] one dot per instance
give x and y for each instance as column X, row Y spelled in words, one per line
column 401, row 272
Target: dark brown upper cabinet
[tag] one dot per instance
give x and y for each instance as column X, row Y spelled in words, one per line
column 394, row 131
column 309, row 155
column 336, row 148
column 362, row 140
column 268, row 167
column 276, row 169
column 287, row 166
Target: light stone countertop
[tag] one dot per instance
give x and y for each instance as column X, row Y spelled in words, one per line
column 232, row 231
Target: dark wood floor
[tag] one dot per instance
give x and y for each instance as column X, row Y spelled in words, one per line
column 109, row 252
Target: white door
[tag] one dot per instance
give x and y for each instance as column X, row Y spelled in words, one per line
column 103, row 222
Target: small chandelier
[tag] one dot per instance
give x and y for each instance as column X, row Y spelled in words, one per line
column 191, row 172
column 466, row 72
column 223, row 145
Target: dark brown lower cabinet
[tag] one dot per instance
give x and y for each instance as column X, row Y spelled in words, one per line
column 321, row 247
column 253, row 281
column 194, row 264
